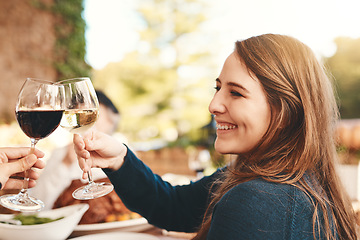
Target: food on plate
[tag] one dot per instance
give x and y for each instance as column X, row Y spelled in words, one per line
column 108, row 208
column 34, row 219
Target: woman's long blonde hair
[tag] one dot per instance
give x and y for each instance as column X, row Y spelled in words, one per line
column 300, row 137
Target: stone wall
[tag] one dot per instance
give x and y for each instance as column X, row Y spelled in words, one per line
column 27, row 40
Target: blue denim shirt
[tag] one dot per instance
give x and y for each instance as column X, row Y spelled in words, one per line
column 256, row 209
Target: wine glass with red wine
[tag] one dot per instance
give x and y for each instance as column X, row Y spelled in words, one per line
column 39, row 110
column 81, row 113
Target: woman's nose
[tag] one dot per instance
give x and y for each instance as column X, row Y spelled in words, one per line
column 216, row 105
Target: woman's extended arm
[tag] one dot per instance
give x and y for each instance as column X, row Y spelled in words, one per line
column 176, row 208
column 179, row 208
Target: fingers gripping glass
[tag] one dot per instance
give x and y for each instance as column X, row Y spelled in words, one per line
column 39, row 110
column 81, row 113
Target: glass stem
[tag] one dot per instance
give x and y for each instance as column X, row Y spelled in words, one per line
column 90, row 177
column 89, row 173
column 26, row 177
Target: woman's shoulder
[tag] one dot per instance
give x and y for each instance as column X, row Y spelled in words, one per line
column 262, row 186
column 262, row 193
column 261, row 209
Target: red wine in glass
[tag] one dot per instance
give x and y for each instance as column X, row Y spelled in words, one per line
column 39, row 124
column 39, row 110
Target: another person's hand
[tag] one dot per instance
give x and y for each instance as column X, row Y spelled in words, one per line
column 14, row 161
column 98, row 149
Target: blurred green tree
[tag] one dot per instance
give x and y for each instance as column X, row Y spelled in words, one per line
column 70, row 39
column 163, row 89
column 344, row 65
column 69, row 51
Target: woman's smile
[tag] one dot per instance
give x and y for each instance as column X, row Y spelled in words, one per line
column 225, row 126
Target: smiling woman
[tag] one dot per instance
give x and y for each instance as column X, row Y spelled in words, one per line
column 275, row 109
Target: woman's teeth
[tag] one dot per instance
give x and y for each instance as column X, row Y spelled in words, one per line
column 225, row 127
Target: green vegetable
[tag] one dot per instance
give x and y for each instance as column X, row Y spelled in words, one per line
column 34, row 219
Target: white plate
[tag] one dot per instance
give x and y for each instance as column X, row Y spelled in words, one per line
column 117, row 236
column 133, row 225
column 58, row 230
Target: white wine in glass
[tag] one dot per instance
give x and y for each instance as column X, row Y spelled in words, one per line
column 79, row 121
column 39, row 110
column 81, row 113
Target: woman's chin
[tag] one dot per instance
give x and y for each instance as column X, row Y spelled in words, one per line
column 222, row 148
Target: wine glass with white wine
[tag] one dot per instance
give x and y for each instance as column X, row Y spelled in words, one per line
column 39, row 109
column 81, row 113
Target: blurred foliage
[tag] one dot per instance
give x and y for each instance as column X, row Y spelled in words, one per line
column 70, row 37
column 344, row 65
column 163, row 89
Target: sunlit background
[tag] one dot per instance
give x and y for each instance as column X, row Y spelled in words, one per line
column 158, row 59
column 177, row 48
column 113, row 26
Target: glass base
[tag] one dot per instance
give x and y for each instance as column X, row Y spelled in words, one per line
column 21, row 202
column 92, row 190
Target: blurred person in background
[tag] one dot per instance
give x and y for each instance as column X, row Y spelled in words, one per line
column 275, row 109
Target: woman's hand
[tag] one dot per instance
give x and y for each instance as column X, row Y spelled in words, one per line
column 98, row 149
column 14, row 161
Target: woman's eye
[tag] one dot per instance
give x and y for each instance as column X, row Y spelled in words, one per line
column 236, row 94
column 217, row 88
